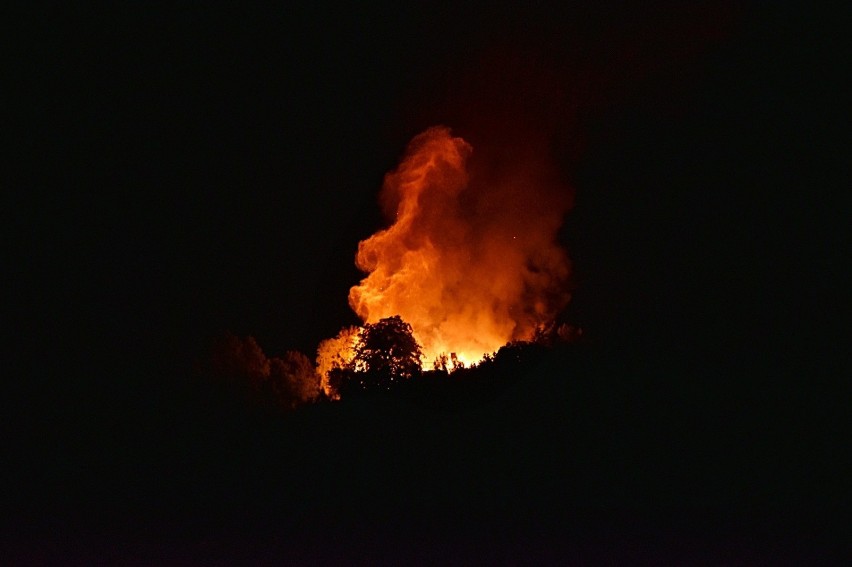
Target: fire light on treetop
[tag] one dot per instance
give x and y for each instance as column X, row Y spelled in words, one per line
column 470, row 259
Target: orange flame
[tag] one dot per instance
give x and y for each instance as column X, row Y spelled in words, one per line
column 470, row 263
column 333, row 353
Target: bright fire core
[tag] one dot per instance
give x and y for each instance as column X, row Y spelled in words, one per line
column 470, row 259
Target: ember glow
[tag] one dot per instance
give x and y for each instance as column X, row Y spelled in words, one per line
column 336, row 353
column 470, row 258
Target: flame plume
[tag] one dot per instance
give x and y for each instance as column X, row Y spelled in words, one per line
column 470, row 259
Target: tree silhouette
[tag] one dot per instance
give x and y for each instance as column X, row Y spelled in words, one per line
column 287, row 381
column 387, row 352
column 239, row 361
column 335, row 355
column 292, row 380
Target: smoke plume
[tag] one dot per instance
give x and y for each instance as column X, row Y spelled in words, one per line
column 470, row 258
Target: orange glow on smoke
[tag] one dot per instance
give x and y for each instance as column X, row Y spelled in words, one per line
column 471, row 263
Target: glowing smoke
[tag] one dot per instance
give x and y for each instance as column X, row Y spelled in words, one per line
column 470, row 259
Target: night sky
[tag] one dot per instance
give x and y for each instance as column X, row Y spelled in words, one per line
column 181, row 172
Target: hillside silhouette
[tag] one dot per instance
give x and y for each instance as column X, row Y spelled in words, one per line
column 570, row 451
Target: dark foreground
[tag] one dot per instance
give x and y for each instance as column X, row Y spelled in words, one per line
column 583, row 459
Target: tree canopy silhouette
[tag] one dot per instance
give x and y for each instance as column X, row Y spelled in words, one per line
column 287, row 381
column 387, row 352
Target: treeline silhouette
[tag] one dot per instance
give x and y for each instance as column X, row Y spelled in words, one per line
column 387, row 362
column 543, row 438
column 548, row 450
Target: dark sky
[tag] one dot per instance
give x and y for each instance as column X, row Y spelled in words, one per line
column 191, row 171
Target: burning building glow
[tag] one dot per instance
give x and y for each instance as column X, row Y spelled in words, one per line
column 470, row 258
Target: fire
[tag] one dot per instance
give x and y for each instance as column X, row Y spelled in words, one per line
column 336, row 353
column 470, row 261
